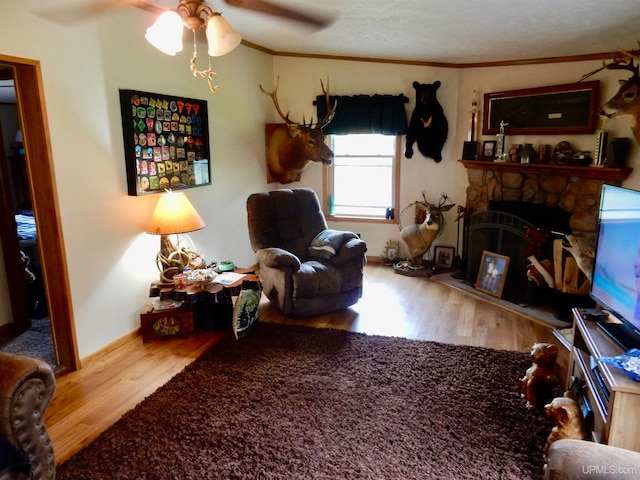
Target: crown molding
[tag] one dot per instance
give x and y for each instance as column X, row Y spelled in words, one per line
column 503, row 63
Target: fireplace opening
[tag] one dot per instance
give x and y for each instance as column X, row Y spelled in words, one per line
column 548, row 219
column 514, row 229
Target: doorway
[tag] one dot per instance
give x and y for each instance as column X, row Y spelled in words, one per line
column 25, row 326
column 38, row 158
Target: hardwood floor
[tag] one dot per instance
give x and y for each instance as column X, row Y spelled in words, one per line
column 91, row 399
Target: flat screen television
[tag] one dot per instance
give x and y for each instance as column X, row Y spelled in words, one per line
column 616, row 273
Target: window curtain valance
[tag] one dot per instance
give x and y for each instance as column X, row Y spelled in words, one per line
column 381, row 114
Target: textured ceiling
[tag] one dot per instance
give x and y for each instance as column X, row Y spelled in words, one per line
column 435, row 31
column 449, row 31
column 426, row 31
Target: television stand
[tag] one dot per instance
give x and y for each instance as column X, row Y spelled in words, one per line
column 613, row 398
column 621, row 333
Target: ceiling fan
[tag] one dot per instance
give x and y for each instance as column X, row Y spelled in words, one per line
column 166, row 33
column 73, row 13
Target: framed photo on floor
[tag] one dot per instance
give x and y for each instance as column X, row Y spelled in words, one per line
column 492, row 273
column 444, row 256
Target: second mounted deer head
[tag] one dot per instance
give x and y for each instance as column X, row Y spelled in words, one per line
column 627, row 100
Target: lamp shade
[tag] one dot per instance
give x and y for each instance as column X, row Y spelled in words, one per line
column 174, row 214
column 221, row 36
column 166, row 33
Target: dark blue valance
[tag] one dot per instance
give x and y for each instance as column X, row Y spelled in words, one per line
column 381, row 114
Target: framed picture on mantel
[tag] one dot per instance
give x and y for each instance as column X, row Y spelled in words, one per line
column 488, row 150
column 492, row 273
column 554, row 110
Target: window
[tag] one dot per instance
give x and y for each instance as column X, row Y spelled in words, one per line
column 362, row 182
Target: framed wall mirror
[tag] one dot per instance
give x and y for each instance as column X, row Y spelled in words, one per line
column 554, row 110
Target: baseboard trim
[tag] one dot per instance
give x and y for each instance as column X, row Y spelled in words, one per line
column 6, row 328
column 110, row 347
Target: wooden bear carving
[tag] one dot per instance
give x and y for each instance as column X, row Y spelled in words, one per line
column 565, row 413
column 536, row 387
column 428, row 126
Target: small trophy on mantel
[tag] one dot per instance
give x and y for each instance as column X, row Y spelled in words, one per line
column 470, row 147
column 602, row 136
column 501, row 154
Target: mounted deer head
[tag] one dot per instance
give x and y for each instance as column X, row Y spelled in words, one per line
column 420, row 236
column 293, row 146
column 627, row 100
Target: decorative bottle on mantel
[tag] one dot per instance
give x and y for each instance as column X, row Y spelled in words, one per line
column 528, row 154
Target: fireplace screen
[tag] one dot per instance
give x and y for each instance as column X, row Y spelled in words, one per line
column 502, row 233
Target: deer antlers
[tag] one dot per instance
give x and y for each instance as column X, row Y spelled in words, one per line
column 622, row 60
column 441, row 207
column 274, row 99
column 331, row 111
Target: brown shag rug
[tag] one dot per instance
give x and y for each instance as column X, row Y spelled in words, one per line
column 290, row 402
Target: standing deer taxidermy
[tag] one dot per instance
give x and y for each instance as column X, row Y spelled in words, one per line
column 293, row 146
column 420, row 236
column 627, row 100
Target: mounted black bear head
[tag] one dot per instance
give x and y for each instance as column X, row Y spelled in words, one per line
column 426, row 92
column 428, row 125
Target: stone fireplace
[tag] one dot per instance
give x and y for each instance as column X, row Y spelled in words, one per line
column 573, row 189
column 539, row 197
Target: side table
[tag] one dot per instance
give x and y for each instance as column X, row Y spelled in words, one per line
column 211, row 306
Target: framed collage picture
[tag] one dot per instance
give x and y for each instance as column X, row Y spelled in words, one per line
column 166, row 142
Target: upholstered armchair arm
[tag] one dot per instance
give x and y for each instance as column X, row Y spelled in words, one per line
column 580, row 459
column 351, row 249
column 278, row 258
column 26, row 388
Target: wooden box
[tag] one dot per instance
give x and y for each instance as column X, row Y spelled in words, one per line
column 164, row 324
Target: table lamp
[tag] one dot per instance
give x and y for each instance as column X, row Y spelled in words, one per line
column 174, row 214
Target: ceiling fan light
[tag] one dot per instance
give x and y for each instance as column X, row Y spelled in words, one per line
column 221, row 36
column 166, row 33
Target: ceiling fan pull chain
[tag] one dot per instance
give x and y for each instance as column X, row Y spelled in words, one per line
column 209, row 73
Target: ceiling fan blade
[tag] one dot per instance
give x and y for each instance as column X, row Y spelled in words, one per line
column 264, row 6
column 72, row 13
column 143, row 5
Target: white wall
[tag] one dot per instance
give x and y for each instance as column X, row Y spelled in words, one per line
column 110, row 259
column 84, row 65
column 496, row 79
column 299, row 84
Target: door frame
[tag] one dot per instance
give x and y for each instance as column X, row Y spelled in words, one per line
column 44, row 197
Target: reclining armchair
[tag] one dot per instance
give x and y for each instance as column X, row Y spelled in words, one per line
column 305, row 268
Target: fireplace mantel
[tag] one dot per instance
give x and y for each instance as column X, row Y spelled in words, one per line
column 599, row 173
column 573, row 189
